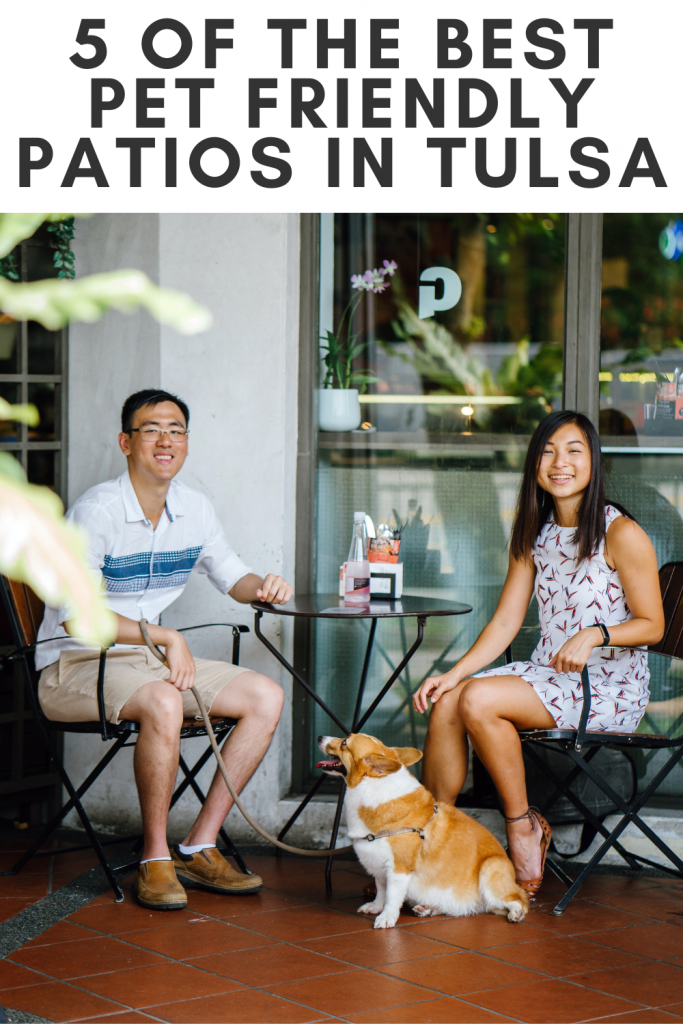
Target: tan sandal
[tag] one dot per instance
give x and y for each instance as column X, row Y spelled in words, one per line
column 532, row 885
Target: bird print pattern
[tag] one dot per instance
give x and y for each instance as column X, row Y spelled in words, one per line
column 573, row 596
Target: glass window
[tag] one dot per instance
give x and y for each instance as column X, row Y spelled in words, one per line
column 32, row 369
column 641, row 340
column 41, row 468
column 473, row 318
column 9, row 344
column 650, row 486
column 465, row 349
column 420, row 458
column 44, row 349
column 641, row 359
column 44, row 397
column 10, row 392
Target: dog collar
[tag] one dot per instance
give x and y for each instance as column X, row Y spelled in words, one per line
column 371, row 836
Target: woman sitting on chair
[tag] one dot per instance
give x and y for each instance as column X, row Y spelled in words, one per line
column 594, row 573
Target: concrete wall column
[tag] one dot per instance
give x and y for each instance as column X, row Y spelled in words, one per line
column 240, row 381
column 110, row 359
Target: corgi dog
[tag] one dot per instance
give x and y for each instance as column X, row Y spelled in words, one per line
column 428, row 853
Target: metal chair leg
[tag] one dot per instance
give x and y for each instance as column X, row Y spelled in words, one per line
column 233, row 852
column 562, row 786
column 73, row 802
column 189, row 775
column 629, row 814
column 559, row 872
column 85, row 820
column 192, row 782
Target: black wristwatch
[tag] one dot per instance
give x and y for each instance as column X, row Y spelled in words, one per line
column 605, row 634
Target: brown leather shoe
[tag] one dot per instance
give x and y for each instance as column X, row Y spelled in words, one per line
column 157, row 887
column 210, row 870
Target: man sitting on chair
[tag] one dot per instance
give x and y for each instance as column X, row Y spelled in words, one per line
column 147, row 533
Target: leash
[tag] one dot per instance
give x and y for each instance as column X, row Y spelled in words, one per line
column 372, row 836
column 221, row 764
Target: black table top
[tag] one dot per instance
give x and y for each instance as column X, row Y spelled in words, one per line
column 331, row 606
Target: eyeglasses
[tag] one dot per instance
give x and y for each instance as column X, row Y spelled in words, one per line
column 175, row 434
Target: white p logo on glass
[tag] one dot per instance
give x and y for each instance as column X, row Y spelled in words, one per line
column 452, row 290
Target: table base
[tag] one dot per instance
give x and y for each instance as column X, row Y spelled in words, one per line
column 358, row 719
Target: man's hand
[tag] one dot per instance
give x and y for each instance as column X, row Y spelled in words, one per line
column 575, row 652
column 274, row 590
column 180, row 661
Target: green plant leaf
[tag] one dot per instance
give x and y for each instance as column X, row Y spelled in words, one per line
column 9, row 267
column 12, row 468
column 19, row 413
column 15, row 227
column 39, row 548
column 53, row 303
column 367, row 378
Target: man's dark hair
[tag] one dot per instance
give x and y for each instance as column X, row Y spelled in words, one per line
column 152, row 397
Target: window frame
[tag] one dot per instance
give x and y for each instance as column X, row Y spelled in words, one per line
column 60, row 380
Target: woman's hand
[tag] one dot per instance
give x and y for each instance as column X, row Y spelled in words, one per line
column 180, row 661
column 434, row 686
column 575, row 652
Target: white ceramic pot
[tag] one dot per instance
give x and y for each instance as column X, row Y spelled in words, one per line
column 338, row 409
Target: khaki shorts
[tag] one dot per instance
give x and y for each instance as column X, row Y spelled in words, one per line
column 68, row 688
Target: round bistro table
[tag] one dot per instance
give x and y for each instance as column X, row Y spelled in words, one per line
column 331, row 606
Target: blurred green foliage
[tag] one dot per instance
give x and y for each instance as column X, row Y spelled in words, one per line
column 37, row 546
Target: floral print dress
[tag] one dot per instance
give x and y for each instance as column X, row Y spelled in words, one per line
column 572, row 597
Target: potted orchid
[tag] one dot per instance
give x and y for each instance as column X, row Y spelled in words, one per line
column 338, row 405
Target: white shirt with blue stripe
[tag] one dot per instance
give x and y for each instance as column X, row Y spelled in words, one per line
column 144, row 569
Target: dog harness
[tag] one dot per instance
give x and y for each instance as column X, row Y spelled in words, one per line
column 371, row 836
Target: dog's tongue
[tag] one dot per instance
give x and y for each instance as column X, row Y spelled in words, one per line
column 328, row 764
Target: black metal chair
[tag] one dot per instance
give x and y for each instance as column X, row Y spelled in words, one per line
column 581, row 745
column 25, row 612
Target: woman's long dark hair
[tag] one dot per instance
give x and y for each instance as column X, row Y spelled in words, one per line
column 535, row 505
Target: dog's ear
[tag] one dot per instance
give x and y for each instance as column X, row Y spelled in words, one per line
column 408, row 755
column 377, row 765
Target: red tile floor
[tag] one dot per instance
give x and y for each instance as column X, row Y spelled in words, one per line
column 42, row 875
column 288, row 955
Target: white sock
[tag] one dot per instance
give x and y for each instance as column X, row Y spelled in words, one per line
column 154, row 858
column 187, row 850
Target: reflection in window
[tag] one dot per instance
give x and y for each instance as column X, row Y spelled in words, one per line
column 496, row 349
column 641, row 341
